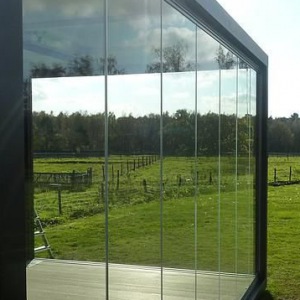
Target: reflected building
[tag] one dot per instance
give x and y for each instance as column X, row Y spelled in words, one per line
column 166, row 102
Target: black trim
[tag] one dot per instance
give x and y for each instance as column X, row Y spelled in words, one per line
column 12, row 164
column 262, row 174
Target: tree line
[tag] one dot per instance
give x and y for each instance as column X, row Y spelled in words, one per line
column 80, row 132
column 284, row 134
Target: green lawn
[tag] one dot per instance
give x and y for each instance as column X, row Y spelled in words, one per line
column 134, row 236
column 284, row 242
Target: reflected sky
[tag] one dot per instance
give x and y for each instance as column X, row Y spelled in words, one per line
column 57, row 31
column 137, row 94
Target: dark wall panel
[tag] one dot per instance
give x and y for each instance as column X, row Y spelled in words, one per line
column 12, row 204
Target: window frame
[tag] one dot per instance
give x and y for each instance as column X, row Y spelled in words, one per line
column 15, row 229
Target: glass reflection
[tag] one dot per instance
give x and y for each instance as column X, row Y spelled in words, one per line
column 68, row 141
column 134, row 33
column 177, row 177
column 133, row 148
column 68, row 154
column 51, row 44
column 178, row 61
column 207, row 165
column 227, row 164
column 245, row 176
column 252, row 169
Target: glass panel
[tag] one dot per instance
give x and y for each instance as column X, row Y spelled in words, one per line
column 161, row 128
column 68, row 143
column 227, row 167
column 51, row 44
column 246, row 221
column 134, row 35
column 207, row 166
column 252, row 170
column 179, row 174
column 133, row 147
column 245, row 183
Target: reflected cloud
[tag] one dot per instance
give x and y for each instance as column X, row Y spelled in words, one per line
column 64, row 8
column 52, row 29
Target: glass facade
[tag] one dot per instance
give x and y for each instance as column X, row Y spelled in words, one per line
column 144, row 143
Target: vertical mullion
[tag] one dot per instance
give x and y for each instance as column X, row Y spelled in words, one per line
column 219, row 183
column 161, row 151
column 196, row 161
column 250, row 170
column 236, row 170
column 106, row 150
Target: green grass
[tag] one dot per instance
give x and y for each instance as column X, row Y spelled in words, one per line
column 134, row 217
column 282, row 165
column 134, row 236
column 284, row 241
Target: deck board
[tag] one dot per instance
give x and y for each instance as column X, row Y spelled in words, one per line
column 62, row 280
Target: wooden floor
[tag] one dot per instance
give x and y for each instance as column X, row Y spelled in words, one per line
column 62, row 280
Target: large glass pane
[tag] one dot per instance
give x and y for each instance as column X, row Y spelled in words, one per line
column 67, row 112
column 133, row 147
column 52, row 46
column 246, row 174
column 252, row 102
column 227, row 167
column 143, row 154
column 179, row 174
column 207, row 166
column 245, row 183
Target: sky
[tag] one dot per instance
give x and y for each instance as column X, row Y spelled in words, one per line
column 274, row 25
column 139, row 95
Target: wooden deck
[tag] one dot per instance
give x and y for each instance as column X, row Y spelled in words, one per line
column 62, row 280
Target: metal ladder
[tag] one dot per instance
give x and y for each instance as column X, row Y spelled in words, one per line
column 40, row 233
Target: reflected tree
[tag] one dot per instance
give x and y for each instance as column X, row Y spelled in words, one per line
column 224, row 60
column 173, row 59
column 78, row 66
column 243, row 64
column 42, row 70
column 112, row 66
column 81, row 66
